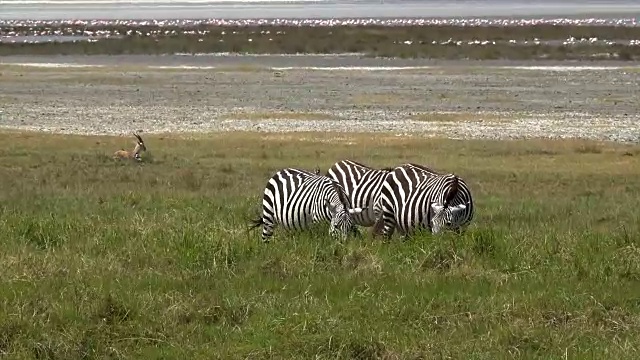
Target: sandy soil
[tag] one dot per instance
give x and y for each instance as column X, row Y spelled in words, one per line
column 307, row 93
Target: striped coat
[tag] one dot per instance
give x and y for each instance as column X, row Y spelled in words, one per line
column 362, row 185
column 414, row 197
column 295, row 199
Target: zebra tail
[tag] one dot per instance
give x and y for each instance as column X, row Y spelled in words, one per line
column 378, row 226
column 255, row 223
column 453, row 191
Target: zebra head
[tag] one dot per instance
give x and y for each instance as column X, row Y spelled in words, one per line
column 446, row 217
column 341, row 220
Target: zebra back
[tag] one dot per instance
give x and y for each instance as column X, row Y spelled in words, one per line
column 362, row 185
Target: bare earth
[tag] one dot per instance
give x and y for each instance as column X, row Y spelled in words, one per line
column 283, row 94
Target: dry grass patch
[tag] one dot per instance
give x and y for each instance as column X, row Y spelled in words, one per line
column 379, row 99
column 615, row 99
column 66, row 68
column 631, row 69
column 249, row 68
column 99, row 69
column 108, row 75
column 458, row 117
column 276, row 115
column 7, row 99
column 503, row 98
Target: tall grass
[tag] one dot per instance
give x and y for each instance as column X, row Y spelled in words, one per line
column 104, row 259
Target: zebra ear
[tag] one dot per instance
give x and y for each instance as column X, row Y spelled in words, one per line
column 355, row 210
column 436, row 208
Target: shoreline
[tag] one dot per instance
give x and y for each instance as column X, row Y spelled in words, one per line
column 443, row 42
column 278, row 62
column 321, row 11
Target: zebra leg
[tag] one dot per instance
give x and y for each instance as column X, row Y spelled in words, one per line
column 384, row 225
column 267, row 228
column 377, row 227
column 389, row 225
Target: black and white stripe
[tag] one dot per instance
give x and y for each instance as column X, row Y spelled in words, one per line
column 362, row 185
column 297, row 198
column 413, row 196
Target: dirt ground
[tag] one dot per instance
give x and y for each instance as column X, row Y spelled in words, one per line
column 461, row 99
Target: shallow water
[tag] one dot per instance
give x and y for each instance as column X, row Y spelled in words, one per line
column 168, row 9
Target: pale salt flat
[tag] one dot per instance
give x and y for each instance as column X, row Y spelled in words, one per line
column 333, row 68
column 352, row 68
column 484, row 102
column 185, row 67
column 53, row 65
column 567, row 68
column 144, row 2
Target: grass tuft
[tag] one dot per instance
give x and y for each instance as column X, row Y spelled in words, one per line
column 589, row 149
column 112, row 311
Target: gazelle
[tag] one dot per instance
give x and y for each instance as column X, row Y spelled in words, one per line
column 135, row 153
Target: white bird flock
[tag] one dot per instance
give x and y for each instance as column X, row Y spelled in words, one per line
column 333, row 22
column 35, row 31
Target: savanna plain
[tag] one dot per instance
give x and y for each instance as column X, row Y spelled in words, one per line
column 153, row 259
column 104, row 259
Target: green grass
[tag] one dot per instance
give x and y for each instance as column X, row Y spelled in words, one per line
column 104, row 259
column 370, row 40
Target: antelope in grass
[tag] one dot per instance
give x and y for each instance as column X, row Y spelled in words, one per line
column 135, row 153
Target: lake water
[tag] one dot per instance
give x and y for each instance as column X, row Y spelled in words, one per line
column 301, row 9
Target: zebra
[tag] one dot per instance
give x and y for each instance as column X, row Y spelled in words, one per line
column 296, row 198
column 414, row 196
column 362, row 185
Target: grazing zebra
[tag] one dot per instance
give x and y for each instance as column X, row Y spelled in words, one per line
column 413, row 197
column 362, row 185
column 297, row 198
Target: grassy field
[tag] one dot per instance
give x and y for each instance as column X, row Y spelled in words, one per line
column 371, row 40
column 104, row 259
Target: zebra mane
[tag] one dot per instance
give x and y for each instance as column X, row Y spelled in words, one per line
column 342, row 195
column 453, row 191
column 421, row 167
column 369, row 167
column 358, row 163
